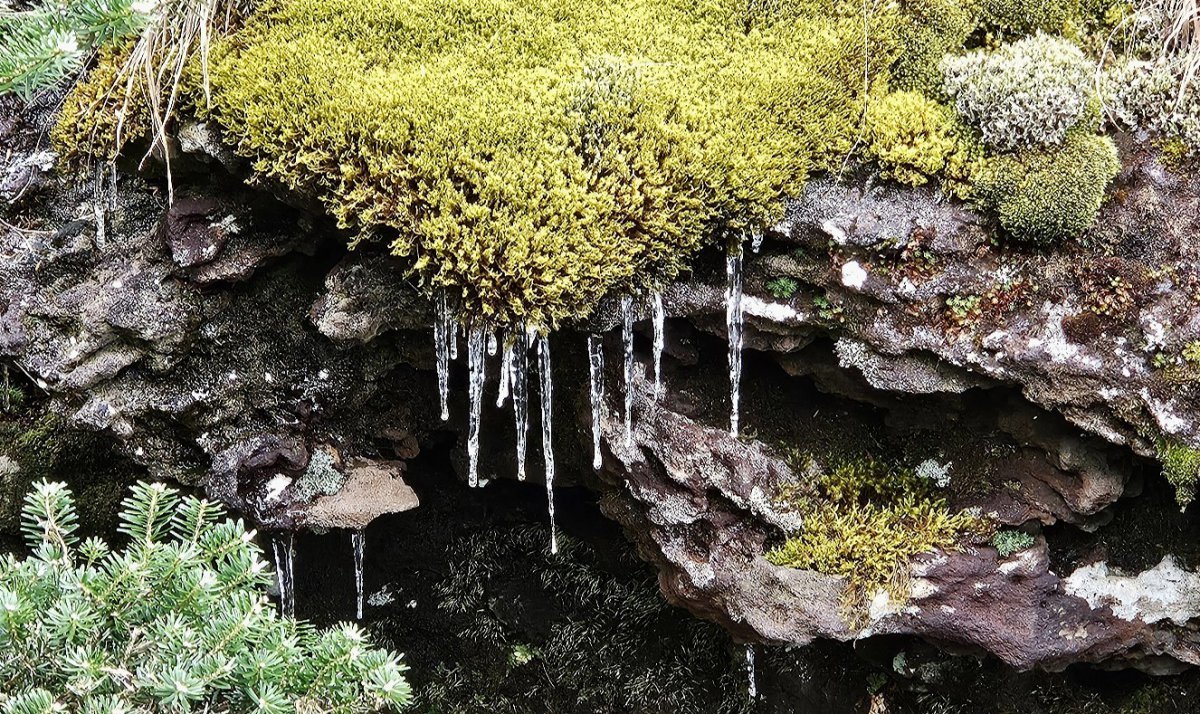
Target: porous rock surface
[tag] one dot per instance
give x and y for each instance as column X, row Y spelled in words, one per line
column 225, row 338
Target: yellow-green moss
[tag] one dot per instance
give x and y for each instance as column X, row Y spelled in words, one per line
column 930, row 29
column 1047, row 196
column 532, row 156
column 865, row 522
column 915, row 139
column 1181, row 466
column 86, row 126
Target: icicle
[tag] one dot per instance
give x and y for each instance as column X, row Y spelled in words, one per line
column 284, row 547
column 520, row 396
column 656, row 304
column 357, row 540
column 493, row 344
column 506, row 361
column 475, row 367
column 756, row 240
column 733, row 326
column 596, row 371
column 627, row 336
column 750, row 673
column 543, row 343
column 442, row 338
column 99, row 206
column 452, row 330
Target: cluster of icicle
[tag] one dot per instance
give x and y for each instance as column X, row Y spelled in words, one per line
column 514, row 373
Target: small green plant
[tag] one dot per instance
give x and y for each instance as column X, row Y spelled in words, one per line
column 1191, row 352
column 1008, row 542
column 964, row 309
column 829, row 310
column 176, row 621
column 1181, row 466
column 11, row 396
column 783, row 287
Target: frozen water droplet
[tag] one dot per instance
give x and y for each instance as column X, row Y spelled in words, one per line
column 520, row 395
column 442, row 338
column 656, row 305
column 627, row 338
column 750, row 673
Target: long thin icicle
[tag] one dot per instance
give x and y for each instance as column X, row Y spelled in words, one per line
column 476, row 362
column 596, row 372
column 627, row 337
column 750, row 673
column 520, row 395
column 660, row 338
column 506, row 360
column 543, row 345
column 442, row 336
column 492, row 343
column 733, row 326
column 358, row 542
column 284, row 547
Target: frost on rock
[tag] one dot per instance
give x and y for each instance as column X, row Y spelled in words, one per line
column 733, row 327
column 596, row 375
column 1164, row 592
column 476, row 362
column 543, row 348
column 853, row 275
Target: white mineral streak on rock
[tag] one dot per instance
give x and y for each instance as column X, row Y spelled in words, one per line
column 1164, row 592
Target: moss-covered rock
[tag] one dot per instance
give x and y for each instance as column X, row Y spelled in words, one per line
column 932, row 28
column 1053, row 195
column 531, row 157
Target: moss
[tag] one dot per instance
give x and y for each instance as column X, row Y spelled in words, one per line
column 931, row 29
column 915, row 139
column 86, row 126
column 1053, row 195
column 1025, row 17
column 531, row 157
column 1181, row 466
column 865, row 522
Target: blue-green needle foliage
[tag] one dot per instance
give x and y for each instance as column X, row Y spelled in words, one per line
column 42, row 46
column 175, row 622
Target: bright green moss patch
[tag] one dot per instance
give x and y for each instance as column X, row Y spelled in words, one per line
column 1181, row 466
column 865, row 522
column 532, row 156
column 1052, row 195
column 915, row 139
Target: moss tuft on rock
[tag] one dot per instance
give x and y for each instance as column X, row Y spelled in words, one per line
column 915, row 139
column 1049, row 196
column 865, row 522
column 1181, row 466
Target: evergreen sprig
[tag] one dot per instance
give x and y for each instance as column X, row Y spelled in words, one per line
column 176, row 621
column 42, row 46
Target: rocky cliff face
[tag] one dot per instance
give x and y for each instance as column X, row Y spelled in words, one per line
column 225, row 340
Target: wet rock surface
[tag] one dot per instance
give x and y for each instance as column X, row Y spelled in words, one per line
column 227, row 340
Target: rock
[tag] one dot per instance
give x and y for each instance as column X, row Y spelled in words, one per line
column 372, row 489
column 1164, row 592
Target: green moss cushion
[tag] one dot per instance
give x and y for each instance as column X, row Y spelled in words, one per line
column 532, row 155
